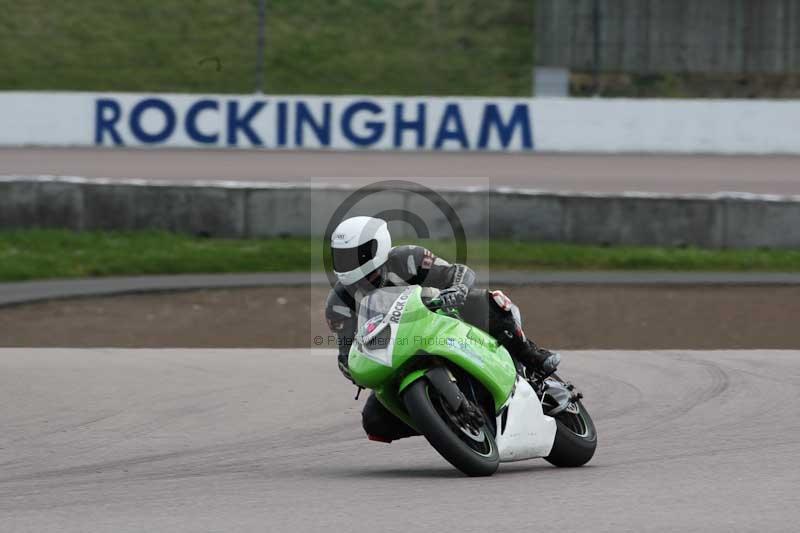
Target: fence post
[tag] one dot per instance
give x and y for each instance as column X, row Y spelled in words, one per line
column 262, row 20
column 596, row 46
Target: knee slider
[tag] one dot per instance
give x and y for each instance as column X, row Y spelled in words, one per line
column 373, row 417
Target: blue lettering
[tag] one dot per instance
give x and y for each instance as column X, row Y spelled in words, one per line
column 452, row 113
column 417, row 126
column 103, row 123
column 236, row 123
column 519, row 117
column 304, row 116
column 191, row 122
column 135, row 121
column 282, row 124
column 375, row 127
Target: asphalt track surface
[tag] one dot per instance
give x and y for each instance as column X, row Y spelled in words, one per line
column 269, row 440
column 776, row 174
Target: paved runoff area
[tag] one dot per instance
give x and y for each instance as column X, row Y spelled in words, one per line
column 776, row 174
column 32, row 291
column 561, row 317
column 270, row 440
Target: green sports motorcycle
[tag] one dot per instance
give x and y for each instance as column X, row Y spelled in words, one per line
column 454, row 384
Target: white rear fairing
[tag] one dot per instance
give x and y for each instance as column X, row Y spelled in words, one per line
column 528, row 432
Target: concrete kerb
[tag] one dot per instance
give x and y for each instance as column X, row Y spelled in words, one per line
column 247, row 209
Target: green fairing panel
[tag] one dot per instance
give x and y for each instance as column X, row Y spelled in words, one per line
column 411, row 378
column 420, row 331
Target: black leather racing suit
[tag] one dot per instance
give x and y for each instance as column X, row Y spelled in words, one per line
column 415, row 265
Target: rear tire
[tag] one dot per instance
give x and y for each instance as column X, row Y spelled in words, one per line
column 428, row 411
column 576, row 438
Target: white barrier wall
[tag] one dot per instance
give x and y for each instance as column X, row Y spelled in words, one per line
column 252, row 209
column 395, row 123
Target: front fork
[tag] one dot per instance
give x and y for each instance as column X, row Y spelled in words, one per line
column 445, row 383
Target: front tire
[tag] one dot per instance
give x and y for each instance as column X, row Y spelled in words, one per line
column 472, row 451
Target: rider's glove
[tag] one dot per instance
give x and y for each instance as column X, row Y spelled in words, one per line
column 453, row 297
column 343, row 368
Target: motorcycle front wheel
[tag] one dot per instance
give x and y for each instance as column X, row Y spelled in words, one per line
column 469, row 448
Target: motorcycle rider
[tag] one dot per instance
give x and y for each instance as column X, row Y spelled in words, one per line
column 364, row 260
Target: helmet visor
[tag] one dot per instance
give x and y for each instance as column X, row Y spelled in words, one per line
column 347, row 259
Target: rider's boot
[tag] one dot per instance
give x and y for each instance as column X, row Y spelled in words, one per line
column 540, row 358
column 531, row 355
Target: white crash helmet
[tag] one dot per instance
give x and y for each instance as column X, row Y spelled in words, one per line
column 359, row 246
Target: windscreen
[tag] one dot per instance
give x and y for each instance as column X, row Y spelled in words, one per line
column 375, row 306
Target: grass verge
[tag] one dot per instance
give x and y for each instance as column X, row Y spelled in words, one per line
column 42, row 254
column 312, row 47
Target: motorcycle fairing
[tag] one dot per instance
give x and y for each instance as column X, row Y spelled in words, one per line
column 425, row 333
column 523, row 430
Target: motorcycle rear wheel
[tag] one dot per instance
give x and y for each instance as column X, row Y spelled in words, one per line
column 576, row 438
column 472, row 450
